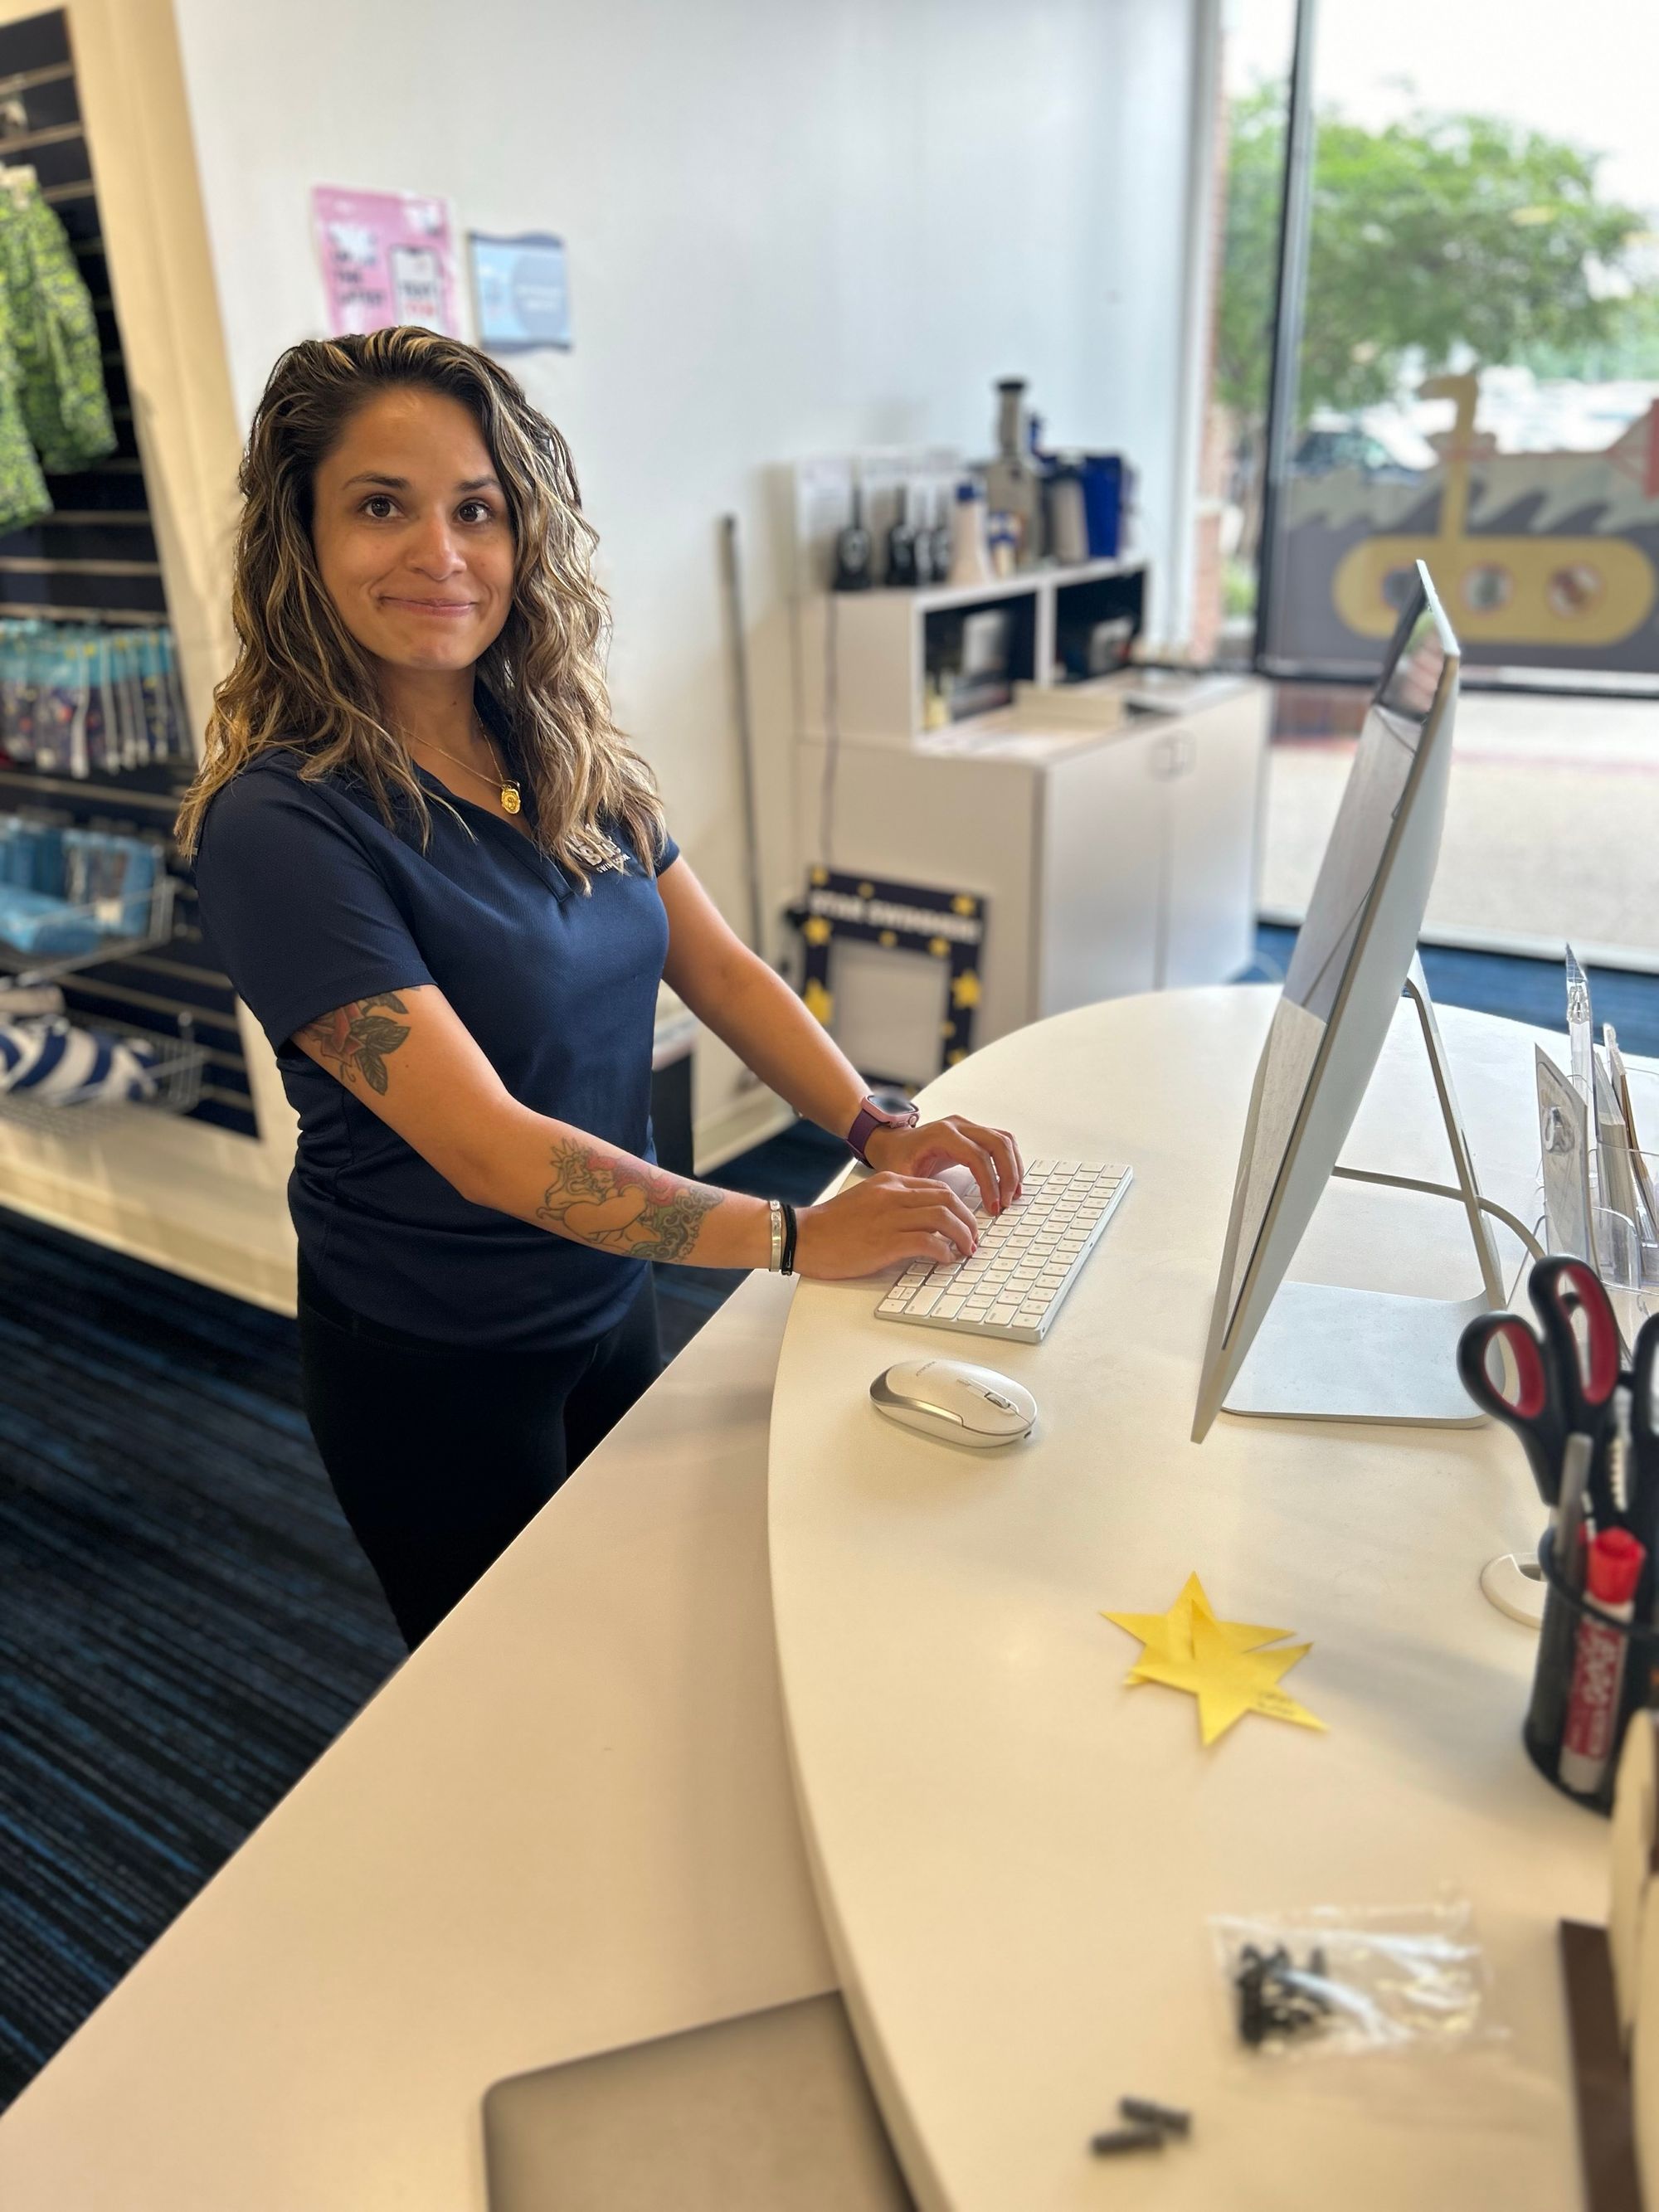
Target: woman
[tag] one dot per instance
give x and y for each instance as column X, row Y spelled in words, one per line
column 441, row 879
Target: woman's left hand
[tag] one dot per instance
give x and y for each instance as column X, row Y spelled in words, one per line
column 991, row 1154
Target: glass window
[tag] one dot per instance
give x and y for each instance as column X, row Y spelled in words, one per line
column 1478, row 372
column 1475, row 381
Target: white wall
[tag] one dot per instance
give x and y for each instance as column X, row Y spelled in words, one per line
column 794, row 226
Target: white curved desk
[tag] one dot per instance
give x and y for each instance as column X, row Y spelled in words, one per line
column 1016, row 1854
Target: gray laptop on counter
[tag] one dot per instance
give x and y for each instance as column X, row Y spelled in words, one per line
column 771, row 2111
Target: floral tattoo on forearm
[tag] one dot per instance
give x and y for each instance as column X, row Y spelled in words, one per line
column 359, row 1039
column 620, row 1205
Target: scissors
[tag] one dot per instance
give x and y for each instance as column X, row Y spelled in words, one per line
column 1642, row 1464
column 1561, row 1388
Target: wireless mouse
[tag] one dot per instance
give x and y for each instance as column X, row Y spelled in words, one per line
column 955, row 1402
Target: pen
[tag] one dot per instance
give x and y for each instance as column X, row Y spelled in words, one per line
column 1568, row 1519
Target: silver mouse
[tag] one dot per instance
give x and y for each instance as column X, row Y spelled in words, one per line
column 956, row 1402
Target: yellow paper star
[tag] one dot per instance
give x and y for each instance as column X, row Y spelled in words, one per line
column 1169, row 1635
column 1219, row 1663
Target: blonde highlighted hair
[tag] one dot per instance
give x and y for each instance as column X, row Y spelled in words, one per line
column 301, row 679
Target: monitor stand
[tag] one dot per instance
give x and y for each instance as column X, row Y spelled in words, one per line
column 1328, row 1353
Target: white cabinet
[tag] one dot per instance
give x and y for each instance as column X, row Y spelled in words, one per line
column 1099, row 887
column 1110, row 862
column 1148, row 881
column 1216, row 790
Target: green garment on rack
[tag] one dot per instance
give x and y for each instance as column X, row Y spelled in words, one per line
column 53, row 331
column 23, row 495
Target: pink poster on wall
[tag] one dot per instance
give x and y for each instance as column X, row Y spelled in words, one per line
column 387, row 257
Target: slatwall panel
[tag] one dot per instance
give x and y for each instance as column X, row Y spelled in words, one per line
column 95, row 558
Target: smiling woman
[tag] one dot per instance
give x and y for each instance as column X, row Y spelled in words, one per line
column 417, row 551
column 441, row 879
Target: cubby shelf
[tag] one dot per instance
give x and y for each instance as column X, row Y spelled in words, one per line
column 865, row 656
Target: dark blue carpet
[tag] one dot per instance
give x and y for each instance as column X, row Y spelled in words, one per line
column 184, row 1621
column 1493, row 983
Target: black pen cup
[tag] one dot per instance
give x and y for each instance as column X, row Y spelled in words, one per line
column 1578, row 1633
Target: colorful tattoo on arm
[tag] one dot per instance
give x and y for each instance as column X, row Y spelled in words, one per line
column 358, row 1039
column 620, row 1205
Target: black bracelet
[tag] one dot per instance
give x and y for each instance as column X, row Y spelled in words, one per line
column 789, row 1228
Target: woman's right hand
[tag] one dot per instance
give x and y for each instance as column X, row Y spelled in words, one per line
column 884, row 1221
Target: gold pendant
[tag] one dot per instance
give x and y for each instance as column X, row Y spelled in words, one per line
column 510, row 800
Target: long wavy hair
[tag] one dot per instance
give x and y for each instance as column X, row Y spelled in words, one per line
column 302, row 680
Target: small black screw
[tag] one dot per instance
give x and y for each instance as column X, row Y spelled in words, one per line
column 1273, row 1996
column 1144, row 2113
column 1117, row 2140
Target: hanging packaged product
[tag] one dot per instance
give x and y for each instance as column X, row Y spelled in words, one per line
column 81, row 701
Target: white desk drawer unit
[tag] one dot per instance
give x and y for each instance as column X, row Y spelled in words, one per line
column 1111, row 861
column 1027, row 1259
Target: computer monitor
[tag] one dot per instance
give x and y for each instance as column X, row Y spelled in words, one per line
column 1344, row 981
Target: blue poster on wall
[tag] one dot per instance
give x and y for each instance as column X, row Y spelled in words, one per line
column 520, row 283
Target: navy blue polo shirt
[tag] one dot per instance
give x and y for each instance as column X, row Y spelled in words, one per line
column 311, row 901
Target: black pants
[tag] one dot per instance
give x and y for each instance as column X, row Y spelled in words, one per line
column 440, row 1455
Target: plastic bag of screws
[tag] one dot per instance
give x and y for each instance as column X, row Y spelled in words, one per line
column 1332, row 1980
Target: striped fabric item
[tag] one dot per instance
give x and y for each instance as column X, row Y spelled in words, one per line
column 61, row 1066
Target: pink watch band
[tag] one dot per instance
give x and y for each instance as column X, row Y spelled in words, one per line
column 870, row 1117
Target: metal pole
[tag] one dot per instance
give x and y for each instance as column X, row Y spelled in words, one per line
column 1289, row 301
column 731, row 579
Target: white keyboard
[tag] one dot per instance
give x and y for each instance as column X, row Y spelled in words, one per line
column 1028, row 1257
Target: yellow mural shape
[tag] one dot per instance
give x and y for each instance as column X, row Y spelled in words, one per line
column 1498, row 590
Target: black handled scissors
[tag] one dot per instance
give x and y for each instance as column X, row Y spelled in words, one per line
column 1642, row 1464
column 1552, row 1386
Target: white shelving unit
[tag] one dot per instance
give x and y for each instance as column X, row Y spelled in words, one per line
column 1116, row 851
column 863, row 654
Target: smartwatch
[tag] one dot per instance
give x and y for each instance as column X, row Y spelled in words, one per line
column 870, row 1117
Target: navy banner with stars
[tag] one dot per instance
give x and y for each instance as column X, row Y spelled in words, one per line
column 946, row 925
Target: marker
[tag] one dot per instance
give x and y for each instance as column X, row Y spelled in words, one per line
column 1614, row 1569
column 1554, row 1675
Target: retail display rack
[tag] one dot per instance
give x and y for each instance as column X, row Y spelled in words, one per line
column 94, row 560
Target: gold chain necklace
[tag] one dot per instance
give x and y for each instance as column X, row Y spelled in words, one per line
column 508, row 786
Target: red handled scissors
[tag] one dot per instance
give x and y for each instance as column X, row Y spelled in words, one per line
column 1554, row 1385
